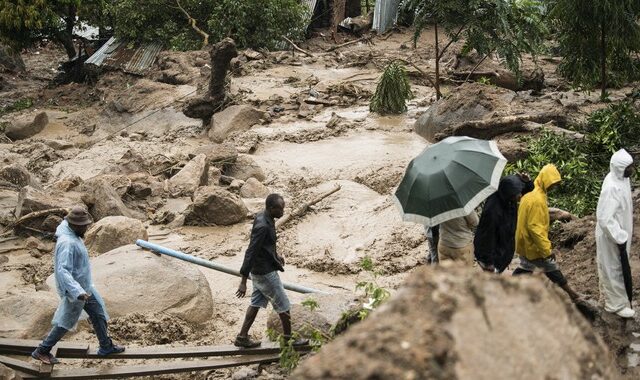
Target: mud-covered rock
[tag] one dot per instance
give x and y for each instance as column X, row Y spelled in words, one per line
column 21, row 129
column 132, row 280
column 253, row 188
column 473, row 101
column 218, row 154
column 11, row 60
column 103, row 200
column 113, row 232
column 7, row 373
column 193, row 175
column 67, row 183
column 303, row 321
column 51, row 223
column 18, row 175
column 236, row 118
column 244, row 168
column 214, row 205
column 27, row 314
column 31, row 199
column 450, row 322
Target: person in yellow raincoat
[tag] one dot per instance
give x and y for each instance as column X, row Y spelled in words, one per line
column 532, row 232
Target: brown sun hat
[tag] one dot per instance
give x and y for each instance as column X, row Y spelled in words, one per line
column 79, row 216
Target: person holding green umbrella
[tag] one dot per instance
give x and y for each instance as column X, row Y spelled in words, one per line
column 448, row 180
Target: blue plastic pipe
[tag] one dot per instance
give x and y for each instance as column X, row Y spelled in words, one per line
column 211, row 265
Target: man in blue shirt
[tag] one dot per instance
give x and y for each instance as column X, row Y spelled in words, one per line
column 263, row 263
column 75, row 288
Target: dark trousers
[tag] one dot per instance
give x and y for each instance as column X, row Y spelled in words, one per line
column 555, row 276
column 96, row 316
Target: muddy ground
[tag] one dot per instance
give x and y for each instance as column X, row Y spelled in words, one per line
column 124, row 121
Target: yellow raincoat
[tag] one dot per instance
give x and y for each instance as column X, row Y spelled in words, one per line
column 532, row 232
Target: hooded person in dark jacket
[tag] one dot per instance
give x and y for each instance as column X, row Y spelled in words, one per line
column 494, row 242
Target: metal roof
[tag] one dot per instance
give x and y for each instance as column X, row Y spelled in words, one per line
column 385, row 14
column 131, row 58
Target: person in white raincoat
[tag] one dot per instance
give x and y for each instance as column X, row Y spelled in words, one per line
column 613, row 233
column 75, row 288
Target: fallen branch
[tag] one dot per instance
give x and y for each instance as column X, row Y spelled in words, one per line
column 348, row 43
column 419, row 70
column 37, row 214
column 488, row 129
column 534, row 127
column 305, row 207
column 192, row 23
column 297, row 48
column 7, row 250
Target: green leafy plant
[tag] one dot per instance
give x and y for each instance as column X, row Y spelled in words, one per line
column 508, row 28
column 18, row 105
column 484, row 80
column 598, row 40
column 583, row 165
column 310, row 304
column 289, row 357
column 373, row 292
column 392, row 92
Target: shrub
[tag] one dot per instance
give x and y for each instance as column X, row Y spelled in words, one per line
column 392, row 92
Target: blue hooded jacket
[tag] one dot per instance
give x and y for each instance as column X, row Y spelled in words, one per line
column 72, row 272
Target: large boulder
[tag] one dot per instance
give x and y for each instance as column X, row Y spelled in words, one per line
column 193, row 175
column 236, row 118
column 7, row 373
column 303, row 321
column 113, row 232
column 455, row 323
column 244, row 168
column 11, row 60
column 31, row 200
column 27, row 314
column 214, row 205
column 473, row 101
column 18, row 175
column 22, row 129
column 253, row 189
column 103, row 200
column 218, row 154
column 133, row 280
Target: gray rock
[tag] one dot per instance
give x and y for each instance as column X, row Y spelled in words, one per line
column 103, row 200
column 31, row 199
column 244, row 168
column 18, row 175
column 236, row 118
column 214, row 205
column 113, row 232
column 193, row 175
column 26, row 314
column 253, row 189
column 20, row 130
column 303, row 321
column 218, row 154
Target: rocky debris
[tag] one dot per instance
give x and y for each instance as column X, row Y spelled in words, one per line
column 218, row 154
column 214, row 205
column 10, row 60
column 130, row 162
column 103, row 200
column 26, row 314
column 303, row 321
column 51, row 222
column 18, row 175
column 244, row 168
column 153, row 284
column 20, row 130
column 513, row 149
column 205, row 106
column 441, row 324
column 193, row 175
column 113, row 232
column 31, row 199
column 497, row 75
column 68, row 183
column 253, row 188
column 245, row 373
column 58, row 144
column 236, row 185
column 146, row 330
column 180, row 67
column 237, row 118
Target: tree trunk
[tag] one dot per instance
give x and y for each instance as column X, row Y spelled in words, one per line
column 437, row 64
column 603, row 53
column 65, row 37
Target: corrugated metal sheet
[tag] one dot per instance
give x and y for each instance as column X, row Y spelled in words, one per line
column 385, row 14
column 117, row 54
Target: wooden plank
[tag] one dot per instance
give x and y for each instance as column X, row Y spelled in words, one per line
column 28, row 345
column 20, row 365
column 157, row 369
column 158, row 352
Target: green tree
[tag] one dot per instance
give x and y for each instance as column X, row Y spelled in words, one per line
column 22, row 22
column 508, row 28
column 598, row 40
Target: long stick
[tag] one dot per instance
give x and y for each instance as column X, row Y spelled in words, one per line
column 297, row 48
column 305, row 207
column 347, row 43
column 210, row 264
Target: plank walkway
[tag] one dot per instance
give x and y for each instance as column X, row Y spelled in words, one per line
column 220, row 357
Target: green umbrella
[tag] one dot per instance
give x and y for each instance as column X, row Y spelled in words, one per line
column 449, row 179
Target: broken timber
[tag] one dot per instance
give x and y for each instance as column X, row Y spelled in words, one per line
column 239, row 356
